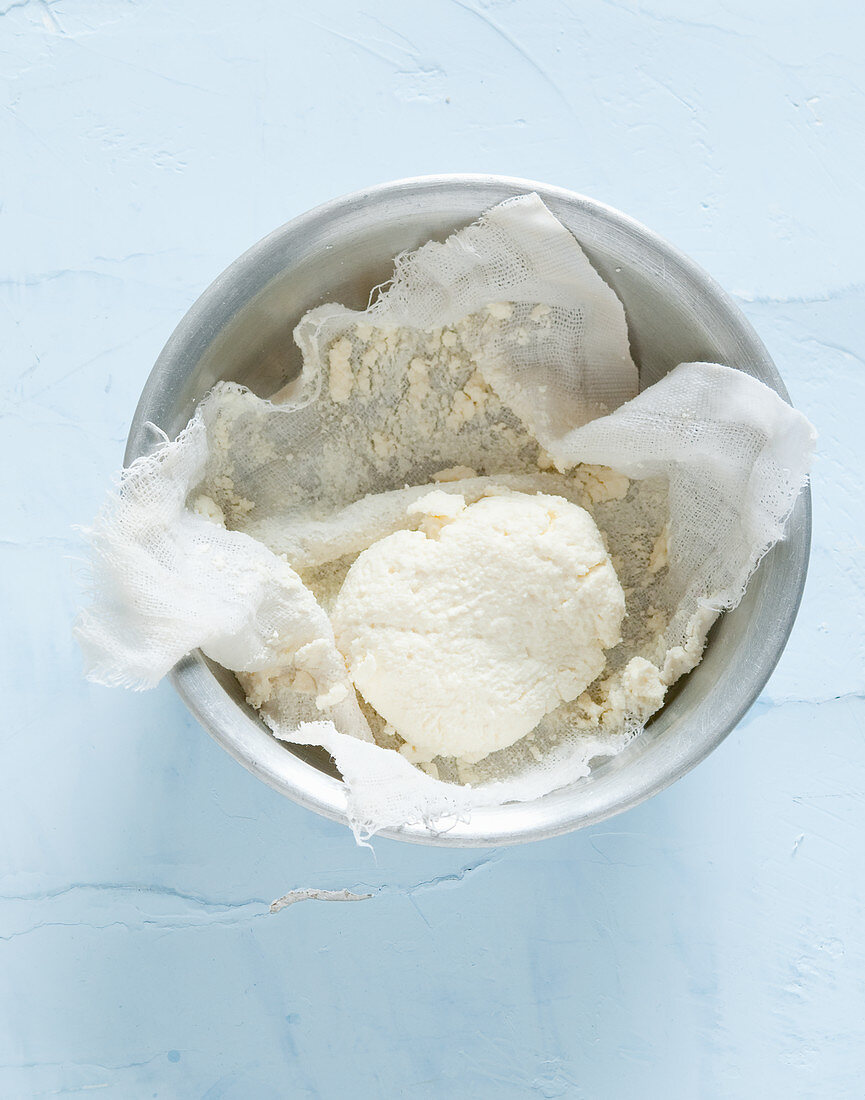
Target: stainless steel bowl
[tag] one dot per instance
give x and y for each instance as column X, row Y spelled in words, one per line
column 240, row 329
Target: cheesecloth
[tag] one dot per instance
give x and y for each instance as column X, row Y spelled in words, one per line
column 502, row 355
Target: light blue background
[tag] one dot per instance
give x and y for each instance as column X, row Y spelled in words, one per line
column 707, row 944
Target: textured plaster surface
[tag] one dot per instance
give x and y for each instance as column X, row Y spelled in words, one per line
column 707, row 944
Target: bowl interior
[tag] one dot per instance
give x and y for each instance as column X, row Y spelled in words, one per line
column 241, row 330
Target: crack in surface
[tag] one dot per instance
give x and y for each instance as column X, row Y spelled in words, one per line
column 767, row 703
column 133, row 888
column 519, row 49
column 216, row 912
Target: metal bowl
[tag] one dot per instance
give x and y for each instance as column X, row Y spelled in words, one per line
column 241, row 329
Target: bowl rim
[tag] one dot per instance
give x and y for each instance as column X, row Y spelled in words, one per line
column 244, row 736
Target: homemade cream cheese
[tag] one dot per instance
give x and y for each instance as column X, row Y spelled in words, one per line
column 465, row 633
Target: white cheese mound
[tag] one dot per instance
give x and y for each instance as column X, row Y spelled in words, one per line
column 464, row 634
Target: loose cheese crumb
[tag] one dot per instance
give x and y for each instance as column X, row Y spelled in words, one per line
column 455, row 473
column 469, row 401
column 207, row 508
column 500, row 310
column 341, row 378
column 660, row 551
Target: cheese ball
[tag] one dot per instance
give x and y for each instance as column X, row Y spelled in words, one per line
column 463, row 634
